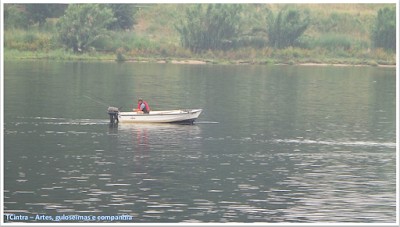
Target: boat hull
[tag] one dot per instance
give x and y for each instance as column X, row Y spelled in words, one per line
column 170, row 116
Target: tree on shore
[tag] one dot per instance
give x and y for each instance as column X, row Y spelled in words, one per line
column 284, row 28
column 25, row 15
column 13, row 18
column 39, row 12
column 212, row 26
column 124, row 13
column 82, row 24
column 383, row 34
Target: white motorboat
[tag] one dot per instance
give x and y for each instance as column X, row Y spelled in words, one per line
column 167, row 116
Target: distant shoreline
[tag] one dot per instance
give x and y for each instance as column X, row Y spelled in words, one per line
column 198, row 62
column 339, row 35
column 111, row 57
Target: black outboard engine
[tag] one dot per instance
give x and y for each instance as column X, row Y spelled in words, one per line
column 113, row 112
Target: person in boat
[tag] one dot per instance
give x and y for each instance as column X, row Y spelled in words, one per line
column 142, row 107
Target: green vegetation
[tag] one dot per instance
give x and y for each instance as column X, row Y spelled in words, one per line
column 120, row 56
column 83, row 24
column 384, row 32
column 39, row 12
column 284, row 29
column 211, row 27
column 124, row 13
column 353, row 34
column 13, row 18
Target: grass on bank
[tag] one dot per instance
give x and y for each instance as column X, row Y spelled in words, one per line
column 289, row 56
column 339, row 34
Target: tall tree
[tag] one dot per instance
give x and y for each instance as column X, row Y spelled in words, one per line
column 82, row 24
column 39, row 12
column 383, row 34
column 212, row 26
column 124, row 14
column 13, row 18
column 284, row 28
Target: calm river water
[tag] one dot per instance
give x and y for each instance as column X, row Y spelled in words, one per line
column 273, row 144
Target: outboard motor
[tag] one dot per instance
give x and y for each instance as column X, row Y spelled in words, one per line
column 113, row 112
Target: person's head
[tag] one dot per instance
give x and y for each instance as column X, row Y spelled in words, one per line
column 140, row 101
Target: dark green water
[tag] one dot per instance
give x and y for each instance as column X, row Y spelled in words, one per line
column 274, row 143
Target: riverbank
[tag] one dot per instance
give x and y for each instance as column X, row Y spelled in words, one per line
column 338, row 37
column 63, row 55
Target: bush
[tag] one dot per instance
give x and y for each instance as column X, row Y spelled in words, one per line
column 291, row 62
column 305, row 42
column 298, row 53
column 267, row 62
column 341, row 53
column 103, row 43
column 120, row 56
column 27, row 41
column 339, row 22
column 372, row 63
column 30, row 37
column 48, row 26
column 381, row 62
column 270, row 62
column 151, row 28
column 285, row 28
column 258, row 42
column 383, row 34
column 211, row 27
column 290, row 53
column 333, row 41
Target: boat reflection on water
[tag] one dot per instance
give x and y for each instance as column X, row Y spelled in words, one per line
column 142, row 144
column 145, row 139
